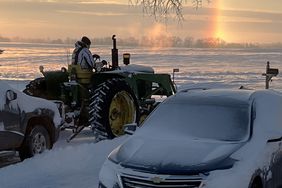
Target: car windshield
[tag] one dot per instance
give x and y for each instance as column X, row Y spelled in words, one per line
column 206, row 121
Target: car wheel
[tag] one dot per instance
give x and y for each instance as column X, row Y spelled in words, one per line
column 36, row 142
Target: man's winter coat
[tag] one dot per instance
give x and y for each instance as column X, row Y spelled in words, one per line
column 82, row 56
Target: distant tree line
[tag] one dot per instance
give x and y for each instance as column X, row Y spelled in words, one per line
column 147, row 41
column 4, row 39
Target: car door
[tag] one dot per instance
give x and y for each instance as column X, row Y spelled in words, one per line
column 276, row 164
column 10, row 137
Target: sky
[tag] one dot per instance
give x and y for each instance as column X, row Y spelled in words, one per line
column 232, row 20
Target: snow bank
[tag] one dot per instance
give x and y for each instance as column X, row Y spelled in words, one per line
column 70, row 167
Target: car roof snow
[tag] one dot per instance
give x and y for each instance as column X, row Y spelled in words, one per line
column 220, row 96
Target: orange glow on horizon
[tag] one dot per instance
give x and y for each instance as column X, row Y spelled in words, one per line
column 155, row 35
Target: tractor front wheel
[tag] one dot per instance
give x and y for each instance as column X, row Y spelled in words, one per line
column 112, row 105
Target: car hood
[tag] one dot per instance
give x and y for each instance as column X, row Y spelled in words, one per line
column 180, row 156
column 28, row 104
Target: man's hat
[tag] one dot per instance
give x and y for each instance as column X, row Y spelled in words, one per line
column 86, row 40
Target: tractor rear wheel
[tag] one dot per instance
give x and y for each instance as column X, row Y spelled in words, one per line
column 112, row 105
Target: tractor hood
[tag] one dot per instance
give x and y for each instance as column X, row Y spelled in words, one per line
column 181, row 156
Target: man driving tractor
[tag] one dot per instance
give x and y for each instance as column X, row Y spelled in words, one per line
column 82, row 55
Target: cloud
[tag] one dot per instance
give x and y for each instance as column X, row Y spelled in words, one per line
column 91, row 13
column 258, row 15
column 76, row 1
column 231, row 14
column 102, row 2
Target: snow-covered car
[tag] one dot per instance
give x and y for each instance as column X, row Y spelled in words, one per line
column 217, row 138
column 27, row 124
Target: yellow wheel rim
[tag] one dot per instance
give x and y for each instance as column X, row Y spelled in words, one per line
column 122, row 111
column 142, row 118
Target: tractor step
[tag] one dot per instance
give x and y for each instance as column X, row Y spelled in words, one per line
column 75, row 133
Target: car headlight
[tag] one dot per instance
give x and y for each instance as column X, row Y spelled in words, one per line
column 108, row 175
column 61, row 108
column 114, row 157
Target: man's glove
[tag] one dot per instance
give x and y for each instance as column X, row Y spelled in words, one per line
column 95, row 56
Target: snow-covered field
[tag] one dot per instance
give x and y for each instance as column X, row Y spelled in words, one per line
column 231, row 66
column 77, row 164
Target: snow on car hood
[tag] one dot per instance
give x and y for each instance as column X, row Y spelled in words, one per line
column 27, row 103
column 180, row 156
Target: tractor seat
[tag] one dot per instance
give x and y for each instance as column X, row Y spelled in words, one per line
column 83, row 75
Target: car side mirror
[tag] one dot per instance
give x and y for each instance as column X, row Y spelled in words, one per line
column 274, row 136
column 278, row 139
column 130, row 128
column 11, row 95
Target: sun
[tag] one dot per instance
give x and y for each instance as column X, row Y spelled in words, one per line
column 220, row 34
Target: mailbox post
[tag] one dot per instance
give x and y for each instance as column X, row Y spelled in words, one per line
column 270, row 72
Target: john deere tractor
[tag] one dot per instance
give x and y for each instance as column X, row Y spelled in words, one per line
column 106, row 98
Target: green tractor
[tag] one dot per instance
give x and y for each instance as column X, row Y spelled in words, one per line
column 105, row 99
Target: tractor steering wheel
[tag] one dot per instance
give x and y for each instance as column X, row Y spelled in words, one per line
column 95, row 57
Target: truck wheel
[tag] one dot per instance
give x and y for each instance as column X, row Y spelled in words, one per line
column 36, row 88
column 112, row 104
column 36, row 141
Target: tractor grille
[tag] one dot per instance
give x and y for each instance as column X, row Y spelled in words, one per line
column 129, row 181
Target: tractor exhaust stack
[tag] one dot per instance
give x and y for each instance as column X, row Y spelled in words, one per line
column 114, row 53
